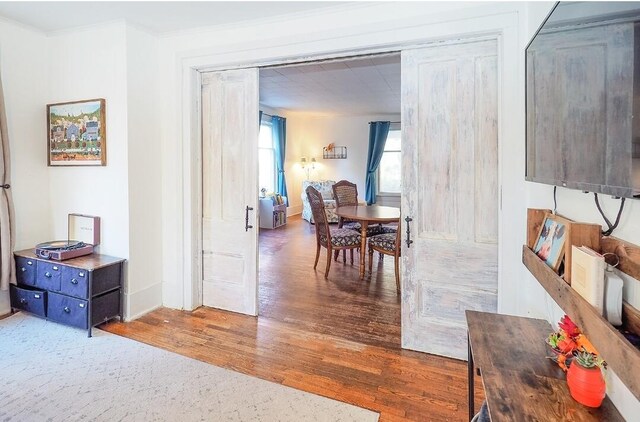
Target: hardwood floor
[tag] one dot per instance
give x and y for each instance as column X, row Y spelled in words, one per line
column 338, row 338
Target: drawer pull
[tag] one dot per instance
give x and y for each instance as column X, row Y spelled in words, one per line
column 80, row 274
column 74, row 281
column 81, row 305
column 23, row 301
column 36, row 296
column 66, row 309
column 55, row 268
column 23, row 269
column 47, row 274
column 29, row 262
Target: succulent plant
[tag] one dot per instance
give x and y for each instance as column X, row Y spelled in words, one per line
column 587, row 359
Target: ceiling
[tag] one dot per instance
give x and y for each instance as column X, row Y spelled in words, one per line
column 155, row 16
column 356, row 86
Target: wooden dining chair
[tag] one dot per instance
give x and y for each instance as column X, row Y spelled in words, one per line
column 332, row 239
column 346, row 194
column 387, row 244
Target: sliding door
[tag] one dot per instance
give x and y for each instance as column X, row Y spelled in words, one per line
column 230, row 190
column 450, row 191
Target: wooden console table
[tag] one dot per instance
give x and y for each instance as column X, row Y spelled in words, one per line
column 520, row 384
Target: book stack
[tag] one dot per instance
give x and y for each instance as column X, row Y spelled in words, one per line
column 587, row 275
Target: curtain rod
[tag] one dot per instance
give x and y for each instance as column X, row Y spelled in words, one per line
column 389, row 122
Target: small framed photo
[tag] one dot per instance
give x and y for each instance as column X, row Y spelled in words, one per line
column 77, row 133
column 550, row 244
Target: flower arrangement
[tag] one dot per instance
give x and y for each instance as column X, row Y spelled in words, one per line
column 567, row 340
column 576, row 355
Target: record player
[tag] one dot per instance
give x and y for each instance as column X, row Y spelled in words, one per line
column 83, row 234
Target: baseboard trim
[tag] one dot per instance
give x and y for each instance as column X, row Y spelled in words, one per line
column 142, row 302
column 294, row 210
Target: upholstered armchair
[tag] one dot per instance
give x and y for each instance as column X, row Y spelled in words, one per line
column 325, row 189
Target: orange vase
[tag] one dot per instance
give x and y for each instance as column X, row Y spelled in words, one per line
column 586, row 385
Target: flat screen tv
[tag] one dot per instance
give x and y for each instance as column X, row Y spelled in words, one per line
column 583, row 98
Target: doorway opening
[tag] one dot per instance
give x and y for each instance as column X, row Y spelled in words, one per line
column 327, row 107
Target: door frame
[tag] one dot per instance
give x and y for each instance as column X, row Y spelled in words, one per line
column 190, row 69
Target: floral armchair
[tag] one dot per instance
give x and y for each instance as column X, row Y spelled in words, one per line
column 324, row 187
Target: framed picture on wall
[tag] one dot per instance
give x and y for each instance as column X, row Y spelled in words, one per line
column 76, row 133
column 550, row 244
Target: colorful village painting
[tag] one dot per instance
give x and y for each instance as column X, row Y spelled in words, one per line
column 77, row 133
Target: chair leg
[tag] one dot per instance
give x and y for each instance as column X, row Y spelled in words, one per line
column 315, row 264
column 326, row 273
column 381, row 256
column 370, row 260
column 397, row 262
column 344, row 256
column 351, row 251
column 336, row 254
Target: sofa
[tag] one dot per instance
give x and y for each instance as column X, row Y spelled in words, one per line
column 324, row 187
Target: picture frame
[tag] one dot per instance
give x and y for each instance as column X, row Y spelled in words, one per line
column 551, row 240
column 77, row 133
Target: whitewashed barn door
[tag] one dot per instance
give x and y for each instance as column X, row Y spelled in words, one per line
column 450, row 191
column 230, row 190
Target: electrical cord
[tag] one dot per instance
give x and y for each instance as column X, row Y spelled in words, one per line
column 611, row 227
column 555, row 200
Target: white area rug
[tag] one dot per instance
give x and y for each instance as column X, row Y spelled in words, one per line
column 49, row 372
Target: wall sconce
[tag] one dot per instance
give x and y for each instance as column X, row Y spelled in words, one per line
column 308, row 166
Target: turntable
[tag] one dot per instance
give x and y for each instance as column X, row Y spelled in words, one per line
column 83, row 236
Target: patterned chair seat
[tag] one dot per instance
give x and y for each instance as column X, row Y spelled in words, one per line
column 386, row 241
column 342, row 237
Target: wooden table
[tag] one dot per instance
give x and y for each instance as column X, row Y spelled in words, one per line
column 520, row 384
column 365, row 215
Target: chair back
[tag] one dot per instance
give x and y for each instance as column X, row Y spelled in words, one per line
column 345, row 193
column 399, row 237
column 319, row 215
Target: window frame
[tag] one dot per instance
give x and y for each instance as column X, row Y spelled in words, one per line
column 378, row 173
column 266, row 123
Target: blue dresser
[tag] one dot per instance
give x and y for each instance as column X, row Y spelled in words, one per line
column 81, row 292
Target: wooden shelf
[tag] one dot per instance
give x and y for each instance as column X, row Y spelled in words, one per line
column 621, row 355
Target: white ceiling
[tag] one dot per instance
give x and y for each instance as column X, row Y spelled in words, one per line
column 357, row 86
column 155, row 16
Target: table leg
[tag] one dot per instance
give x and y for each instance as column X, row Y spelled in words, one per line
column 470, row 379
column 363, row 246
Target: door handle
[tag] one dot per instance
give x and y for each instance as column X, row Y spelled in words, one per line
column 409, row 241
column 247, row 226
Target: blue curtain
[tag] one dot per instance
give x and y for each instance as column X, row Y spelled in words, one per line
column 378, row 132
column 279, row 133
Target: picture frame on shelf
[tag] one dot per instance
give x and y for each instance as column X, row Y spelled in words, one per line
column 76, row 133
column 551, row 239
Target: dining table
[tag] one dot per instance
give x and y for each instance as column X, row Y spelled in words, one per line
column 365, row 214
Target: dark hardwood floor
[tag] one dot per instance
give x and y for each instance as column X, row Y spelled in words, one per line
column 366, row 311
column 338, row 338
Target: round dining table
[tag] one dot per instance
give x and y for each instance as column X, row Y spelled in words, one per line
column 365, row 214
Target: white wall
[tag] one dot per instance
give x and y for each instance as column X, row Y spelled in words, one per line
column 24, row 79
column 100, row 191
column 307, row 134
column 125, row 193
column 580, row 207
column 144, row 290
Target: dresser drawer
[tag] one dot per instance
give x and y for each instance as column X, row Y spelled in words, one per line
column 26, row 271
column 48, row 275
column 67, row 310
column 29, row 300
column 75, row 282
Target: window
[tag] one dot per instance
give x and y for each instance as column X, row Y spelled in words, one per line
column 390, row 169
column 266, row 158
